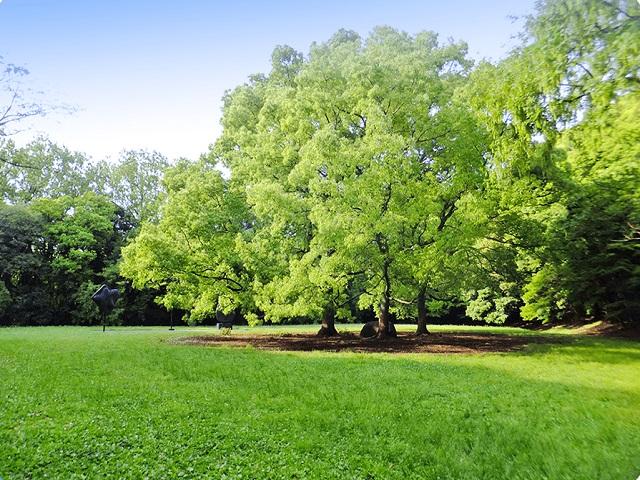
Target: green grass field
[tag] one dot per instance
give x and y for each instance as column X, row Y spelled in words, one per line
column 77, row 403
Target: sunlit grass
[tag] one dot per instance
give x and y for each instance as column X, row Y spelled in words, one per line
column 77, row 403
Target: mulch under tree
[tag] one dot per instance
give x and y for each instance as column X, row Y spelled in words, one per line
column 458, row 342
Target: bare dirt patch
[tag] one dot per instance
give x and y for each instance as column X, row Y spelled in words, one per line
column 458, row 342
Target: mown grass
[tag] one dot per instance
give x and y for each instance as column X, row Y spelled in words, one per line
column 77, row 403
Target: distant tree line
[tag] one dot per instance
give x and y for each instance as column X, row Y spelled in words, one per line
column 63, row 222
column 387, row 177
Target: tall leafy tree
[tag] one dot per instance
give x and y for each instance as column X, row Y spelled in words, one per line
column 365, row 156
column 23, row 297
column 260, row 144
column 191, row 252
column 548, row 107
column 591, row 263
column 78, row 246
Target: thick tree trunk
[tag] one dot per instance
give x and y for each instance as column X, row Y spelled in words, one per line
column 328, row 327
column 385, row 301
column 383, row 319
column 422, row 312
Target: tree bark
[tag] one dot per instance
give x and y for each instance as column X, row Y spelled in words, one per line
column 422, row 312
column 383, row 318
column 385, row 301
column 328, row 327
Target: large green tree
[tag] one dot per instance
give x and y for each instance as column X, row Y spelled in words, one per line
column 355, row 162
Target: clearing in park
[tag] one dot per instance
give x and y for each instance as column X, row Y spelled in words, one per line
column 148, row 403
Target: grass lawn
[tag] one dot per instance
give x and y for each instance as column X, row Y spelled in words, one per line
column 77, row 403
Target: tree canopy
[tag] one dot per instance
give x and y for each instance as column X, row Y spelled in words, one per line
column 385, row 176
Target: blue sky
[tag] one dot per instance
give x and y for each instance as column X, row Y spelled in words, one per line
column 150, row 74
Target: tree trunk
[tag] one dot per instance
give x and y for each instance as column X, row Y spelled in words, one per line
column 383, row 318
column 383, row 314
column 328, row 327
column 422, row 312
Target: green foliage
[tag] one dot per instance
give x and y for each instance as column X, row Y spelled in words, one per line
column 61, row 238
column 561, row 114
column 134, row 183
column 5, row 299
column 353, row 166
column 53, row 254
column 488, row 306
column 190, row 252
column 76, row 230
column 41, row 169
column 577, row 55
column 541, row 297
column 603, row 155
column 383, row 173
column 389, row 171
column 22, row 269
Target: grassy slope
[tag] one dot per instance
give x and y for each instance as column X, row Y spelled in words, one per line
column 77, row 403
